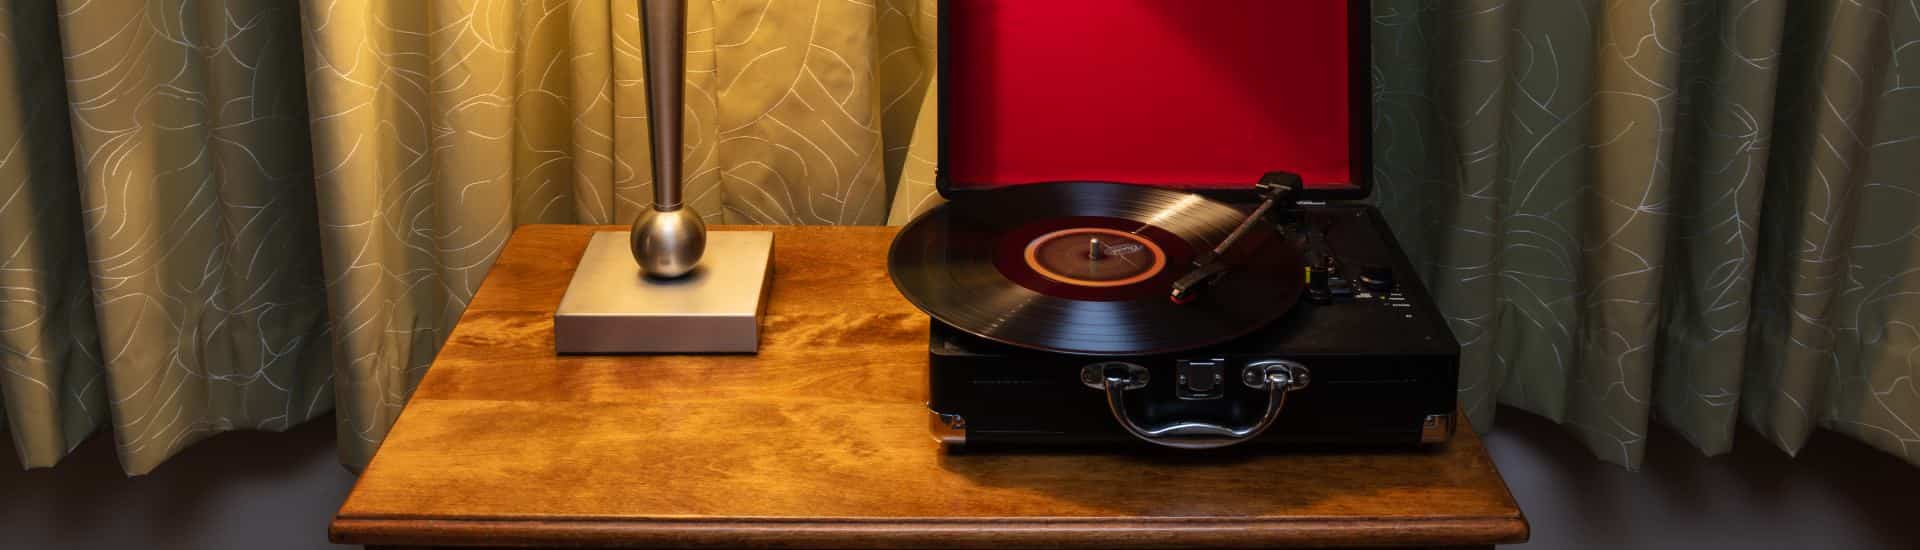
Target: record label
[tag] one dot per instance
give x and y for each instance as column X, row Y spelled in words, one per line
column 1054, row 256
column 1095, row 256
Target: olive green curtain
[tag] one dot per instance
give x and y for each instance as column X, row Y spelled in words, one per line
column 162, row 270
column 1705, row 213
column 243, row 214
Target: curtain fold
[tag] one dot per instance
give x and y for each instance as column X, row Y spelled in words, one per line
column 1841, row 220
column 1695, row 211
column 241, row 214
column 1725, row 98
column 51, row 389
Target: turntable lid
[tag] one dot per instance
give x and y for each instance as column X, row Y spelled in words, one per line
column 1208, row 94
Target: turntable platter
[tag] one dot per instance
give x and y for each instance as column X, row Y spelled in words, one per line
column 1086, row 268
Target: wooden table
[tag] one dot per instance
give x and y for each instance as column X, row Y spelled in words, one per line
column 822, row 440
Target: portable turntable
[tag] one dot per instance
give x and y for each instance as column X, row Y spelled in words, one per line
column 1143, row 240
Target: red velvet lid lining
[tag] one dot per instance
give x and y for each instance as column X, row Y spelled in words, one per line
column 1191, row 93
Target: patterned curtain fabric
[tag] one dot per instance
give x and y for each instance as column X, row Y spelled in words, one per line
column 50, row 365
column 1704, row 212
column 163, row 269
column 242, row 214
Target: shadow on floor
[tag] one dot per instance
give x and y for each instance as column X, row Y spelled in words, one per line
column 1839, row 493
column 234, row 490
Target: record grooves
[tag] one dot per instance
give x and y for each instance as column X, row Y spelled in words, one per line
column 1085, row 268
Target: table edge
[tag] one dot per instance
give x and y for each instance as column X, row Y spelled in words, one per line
column 943, row 532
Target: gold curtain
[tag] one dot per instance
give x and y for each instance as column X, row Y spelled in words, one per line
column 50, row 367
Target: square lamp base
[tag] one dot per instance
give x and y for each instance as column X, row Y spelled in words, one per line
column 610, row 307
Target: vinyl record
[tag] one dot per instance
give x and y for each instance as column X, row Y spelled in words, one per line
column 1087, row 268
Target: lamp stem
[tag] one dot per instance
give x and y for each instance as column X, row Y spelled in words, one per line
column 664, row 23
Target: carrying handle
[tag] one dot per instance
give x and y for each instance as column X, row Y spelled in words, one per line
column 1278, row 377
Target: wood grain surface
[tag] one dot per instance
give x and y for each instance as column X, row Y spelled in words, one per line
column 821, row 440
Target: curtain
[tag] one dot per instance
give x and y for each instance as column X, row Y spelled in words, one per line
column 163, row 264
column 1702, row 212
column 244, row 214
column 50, row 364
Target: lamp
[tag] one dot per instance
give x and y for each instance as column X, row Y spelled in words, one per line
column 694, row 291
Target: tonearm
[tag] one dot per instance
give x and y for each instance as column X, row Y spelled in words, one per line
column 1275, row 189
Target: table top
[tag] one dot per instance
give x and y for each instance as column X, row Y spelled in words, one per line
column 821, row 440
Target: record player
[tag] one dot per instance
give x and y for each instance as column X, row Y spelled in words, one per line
column 1145, row 242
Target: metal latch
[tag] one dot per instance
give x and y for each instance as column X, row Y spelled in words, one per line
column 1200, row 378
